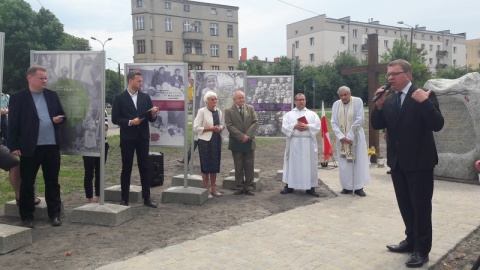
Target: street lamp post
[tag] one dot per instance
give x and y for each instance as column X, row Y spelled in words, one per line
column 411, row 39
column 119, row 77
column 103, row 43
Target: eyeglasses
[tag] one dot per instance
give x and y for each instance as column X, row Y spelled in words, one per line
column 300, row 99
column 394, row 74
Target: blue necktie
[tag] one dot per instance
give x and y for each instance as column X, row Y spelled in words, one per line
column 399, row 101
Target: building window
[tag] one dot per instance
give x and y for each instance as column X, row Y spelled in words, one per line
column 231, row 68
column 187, row 27
column 215, row 67
column 186, row 8
column 187, row 47
column 430, row 61
column 198, row 67
column 342, row 40
column 169, row 47
column 168, row 5
column 139, row 23
column 214, row 50
column 431, row 37
column 454, row 62
column 430, row 47
column 141, row 46
column 422, row 46
column 168, row 25
column 230, row 30
column 229, row 13
column 297, row 44
column 454, row 49
column 355, row 33
column 230, row 51
column 366, row 30
column 213, row 29
column 152, row 51
column 151, row 23
column 198, row 48
column 197, row 26
column 139, row 3
column 355, row 48
column 312, row 57
column 312, row 41
column 385, row 43
column 296, row 32
column 213, row 11
column 311, row 28
column 446, row 42
column 438, row 48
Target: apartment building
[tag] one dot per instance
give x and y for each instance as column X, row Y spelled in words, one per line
column 473, row 53
column 201, row 34
column 318, row 39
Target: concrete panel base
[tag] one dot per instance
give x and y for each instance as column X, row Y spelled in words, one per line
column 107, row 214
column 229, row 183
column 189, row 195
column 114, row 194
column 256, row 173
column 14, row 237
column 193, row 180
column 41, row 212
column 279, row 175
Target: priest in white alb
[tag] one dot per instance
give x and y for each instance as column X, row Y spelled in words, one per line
column 300, row 165
column 351, row 147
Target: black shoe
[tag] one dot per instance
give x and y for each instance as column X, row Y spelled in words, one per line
column 389, row 171
column 125, row 203
column 312, row 192
column 360, row 192
column 250, row 192
column 28, row 223
column 402, row 247
column 417, row 259
column 56, row 221
column 238, row 192
column 346, row 191
column 149, row 203
column 286, row 190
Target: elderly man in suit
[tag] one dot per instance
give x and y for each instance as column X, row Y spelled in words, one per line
column 242, row 123
column 411, row 115
column 129, row 111
column 33, row 132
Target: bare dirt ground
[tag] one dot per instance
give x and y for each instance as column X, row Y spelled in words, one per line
column 92, row 246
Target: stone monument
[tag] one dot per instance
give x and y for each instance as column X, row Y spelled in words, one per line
column 458, row 143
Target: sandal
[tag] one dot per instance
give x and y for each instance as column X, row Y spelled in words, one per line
column 210, row 197
column 37, row 200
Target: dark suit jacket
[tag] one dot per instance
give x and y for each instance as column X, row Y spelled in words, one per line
column 410, row 139
column 237, row 127
column 23, row 121
column 124, row 110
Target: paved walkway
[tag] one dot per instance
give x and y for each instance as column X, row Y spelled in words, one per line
column 345, row 232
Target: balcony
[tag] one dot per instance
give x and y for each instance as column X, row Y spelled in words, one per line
column 190, row 35
column 442, row 53
column 364, row 47
column 195, row 58
column 441, row 66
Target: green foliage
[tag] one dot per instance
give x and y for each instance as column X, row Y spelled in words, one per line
column 254, row 67
column 284, row 66
column 357, row 82
column 453, row 72
column 113, row 85
column 72, row 43
column 27, row 30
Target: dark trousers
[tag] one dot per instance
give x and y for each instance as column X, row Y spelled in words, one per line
column 128, row 149
column 414, row 191
column 48, row 156
column 92, row 166
column 244, row 169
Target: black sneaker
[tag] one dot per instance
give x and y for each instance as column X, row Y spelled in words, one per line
column 360, row 192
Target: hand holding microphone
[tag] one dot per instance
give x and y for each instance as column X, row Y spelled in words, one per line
column 379, row 95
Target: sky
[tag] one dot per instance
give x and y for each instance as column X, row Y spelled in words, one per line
column 262, row 23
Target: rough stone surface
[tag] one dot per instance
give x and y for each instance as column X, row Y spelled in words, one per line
column 189, row 195
column 114, row 193
column 458, row 143
column 13, row 237
column 107, row 214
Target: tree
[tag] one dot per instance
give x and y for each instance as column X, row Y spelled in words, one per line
column 254, row 67
column 72, row 43
column 284, row 66
column 453, row 72
column 356, row 82
column 113, row 85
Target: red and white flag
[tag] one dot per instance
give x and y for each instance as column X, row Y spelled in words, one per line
column 327, row 147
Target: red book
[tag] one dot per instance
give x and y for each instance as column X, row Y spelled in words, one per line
column 303, row 120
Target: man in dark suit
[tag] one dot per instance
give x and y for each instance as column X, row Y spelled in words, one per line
column 176, row 80
column 242, row 123
column 129, row 111
column 410, row 117
column 33, row 129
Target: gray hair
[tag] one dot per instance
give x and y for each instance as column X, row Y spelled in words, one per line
column 208, row 95
column 236, row 91
column 344, row 88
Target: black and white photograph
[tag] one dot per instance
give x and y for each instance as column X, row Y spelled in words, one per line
column 272, row 97
column 167, row 85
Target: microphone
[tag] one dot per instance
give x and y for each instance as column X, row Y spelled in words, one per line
column 379, row 95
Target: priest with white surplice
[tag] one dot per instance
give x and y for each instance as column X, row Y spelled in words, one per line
column 351, row 147
column 300, row 165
